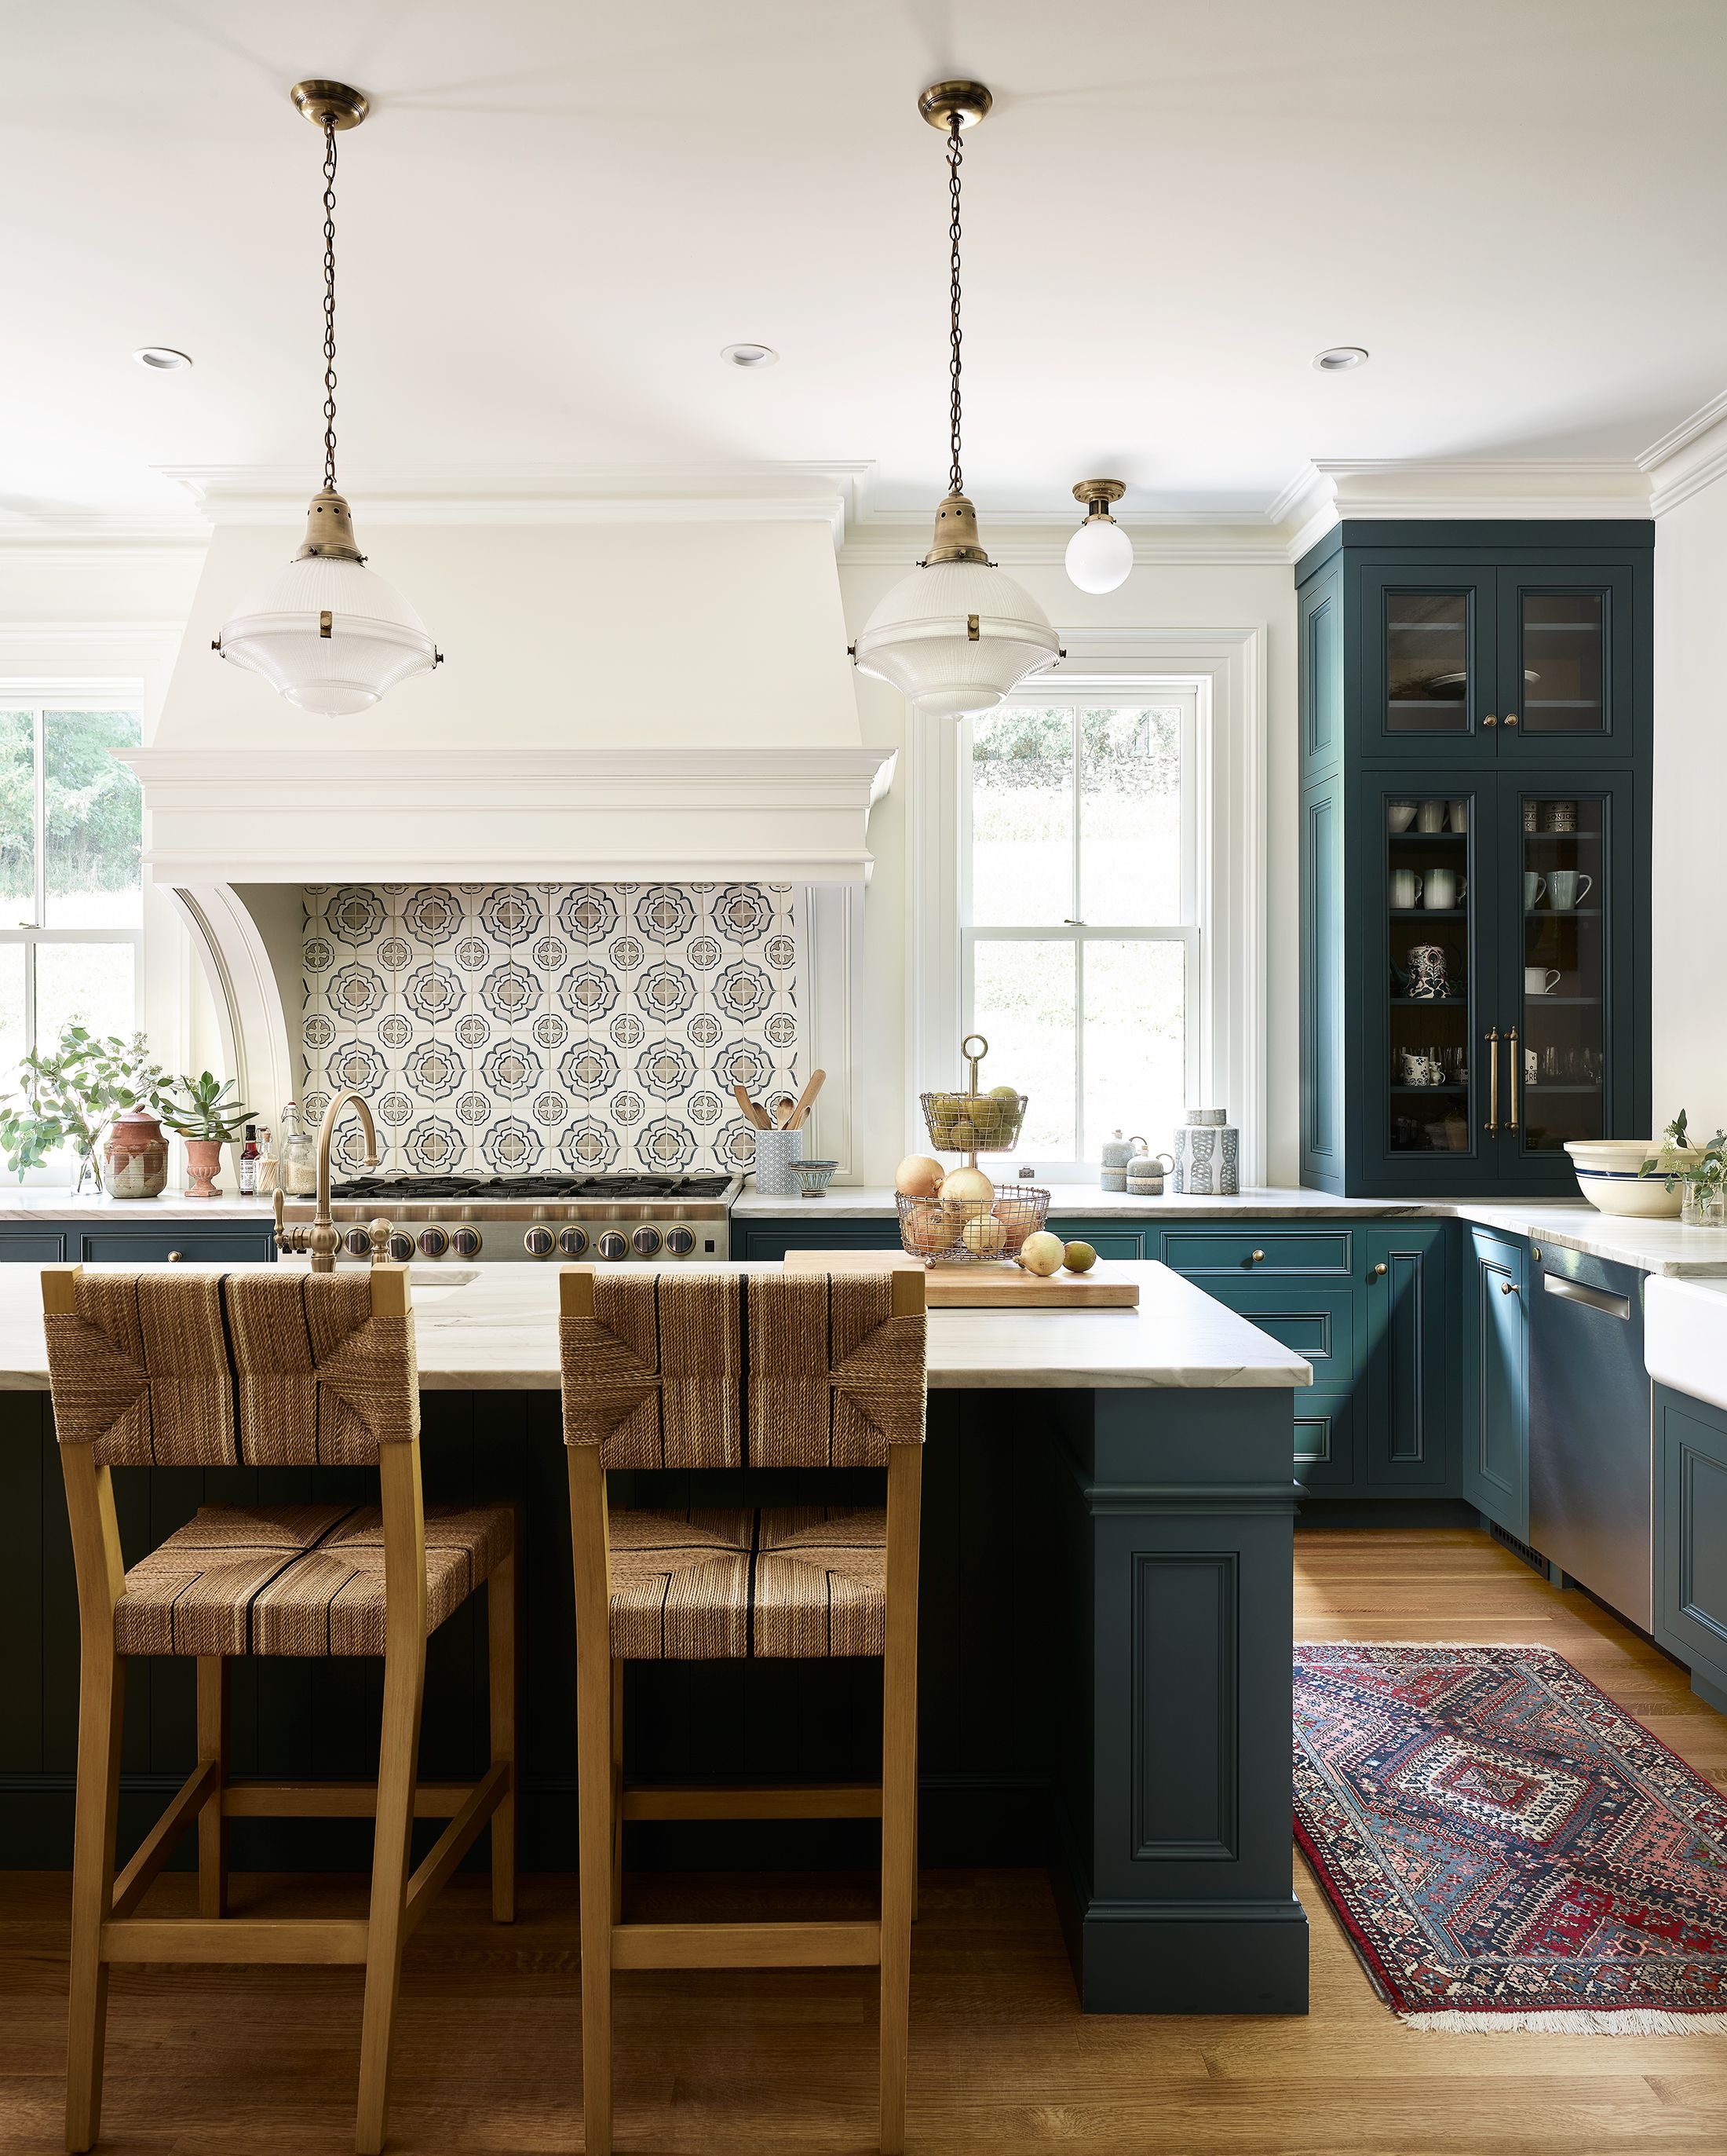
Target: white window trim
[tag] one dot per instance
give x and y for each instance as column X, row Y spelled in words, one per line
column 1227, row 666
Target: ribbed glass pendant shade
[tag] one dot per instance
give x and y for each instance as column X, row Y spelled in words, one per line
column 919, row 638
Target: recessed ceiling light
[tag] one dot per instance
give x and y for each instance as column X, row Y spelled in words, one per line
column 162, row 358
column 1339, row 357
column 751, row 355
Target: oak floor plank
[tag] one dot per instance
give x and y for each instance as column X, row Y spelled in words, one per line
column 215, row 2062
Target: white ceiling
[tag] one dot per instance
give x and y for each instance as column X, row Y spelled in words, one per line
column 560, row 211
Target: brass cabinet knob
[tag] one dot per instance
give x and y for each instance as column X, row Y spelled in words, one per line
column 1490, row 720
column 1536, row 1252
column 175, row 1256
column 1507, row 1287
column 1379, row 1272
column 1258, row 1257
column 1510, row 718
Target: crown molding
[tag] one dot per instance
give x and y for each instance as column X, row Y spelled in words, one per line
column 1688, row 457
column 1689, row 429
column 1333, row 488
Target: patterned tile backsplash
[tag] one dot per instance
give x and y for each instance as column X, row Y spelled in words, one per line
column 543, row 1028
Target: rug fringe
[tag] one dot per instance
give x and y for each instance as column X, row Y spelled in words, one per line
column 1608, row 2022
column 1490, row 1646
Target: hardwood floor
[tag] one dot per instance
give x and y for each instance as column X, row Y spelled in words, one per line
column 262, row 2061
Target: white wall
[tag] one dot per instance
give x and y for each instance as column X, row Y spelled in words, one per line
column 1689, row 898
column 1161, row 596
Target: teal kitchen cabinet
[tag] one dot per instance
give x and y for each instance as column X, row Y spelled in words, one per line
column 1474, row 942
column 1691, row 1538
column 105, row 1241
column 1405, row 1345
column 1493, row 1410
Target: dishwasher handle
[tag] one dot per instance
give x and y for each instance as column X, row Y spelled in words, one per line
column 1596, row 1298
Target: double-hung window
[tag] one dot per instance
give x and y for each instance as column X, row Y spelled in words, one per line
column 71, row 888
column 1080, row 919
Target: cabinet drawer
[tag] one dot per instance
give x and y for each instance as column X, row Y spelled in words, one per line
column 1318, row 1322
column 154, row 1246
column 1107, row 1242
column 1691, row 1531
column 1202, row 1250
column 1324, row 1440
column 32, row 1246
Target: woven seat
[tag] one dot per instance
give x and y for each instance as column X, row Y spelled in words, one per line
column 295, row 1579
column 787, row 1582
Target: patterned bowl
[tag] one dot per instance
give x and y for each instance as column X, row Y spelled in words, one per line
column 814, row 1177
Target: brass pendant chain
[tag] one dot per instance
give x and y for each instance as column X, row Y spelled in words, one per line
column 956, row 482
column 329, row 306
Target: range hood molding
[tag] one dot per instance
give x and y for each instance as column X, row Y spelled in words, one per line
column 262, row 814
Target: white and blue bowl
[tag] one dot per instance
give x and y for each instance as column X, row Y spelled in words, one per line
column 1608, row 1175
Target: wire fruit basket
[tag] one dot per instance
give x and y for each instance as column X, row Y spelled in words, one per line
column 974, row 1122
column 971, row 1231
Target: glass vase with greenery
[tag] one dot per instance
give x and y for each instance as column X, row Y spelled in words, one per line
column 1698, row 1173
column 69, row 1095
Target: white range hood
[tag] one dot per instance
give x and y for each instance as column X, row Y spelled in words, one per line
column 632, row 689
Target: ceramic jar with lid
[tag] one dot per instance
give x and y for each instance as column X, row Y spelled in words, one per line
column 1144, row 1176
column 133, row 1156
column 1207, row 1155
column 1116, row 1153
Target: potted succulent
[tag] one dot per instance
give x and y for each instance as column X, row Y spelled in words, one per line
column 1698, row 1173
column 87, row 1085
column 200, row 1111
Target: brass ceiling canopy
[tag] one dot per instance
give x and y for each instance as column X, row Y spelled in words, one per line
column 1098, row 493
column 942, row 102
column 329, row 103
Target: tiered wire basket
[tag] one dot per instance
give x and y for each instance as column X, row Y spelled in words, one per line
column 965, row 1230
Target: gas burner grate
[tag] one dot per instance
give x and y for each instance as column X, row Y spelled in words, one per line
column 418, row 1189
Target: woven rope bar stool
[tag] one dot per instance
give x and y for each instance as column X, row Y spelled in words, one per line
column 263, row 1369
column 719, row 1371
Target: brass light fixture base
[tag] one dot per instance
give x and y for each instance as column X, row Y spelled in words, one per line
column 1097, row 493
column 332, row 101
column 329, row 530
column 942, row 100
column 956, row 538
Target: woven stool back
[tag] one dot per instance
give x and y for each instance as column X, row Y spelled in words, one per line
column 244, row 1369
column 727, row 1369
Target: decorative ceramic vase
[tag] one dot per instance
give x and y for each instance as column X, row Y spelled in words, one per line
column 775, row 1152
column 1207, row 1155
column 1145, row 1177
column 1115, row 1154
column 134, row 1156
column 203, row 1163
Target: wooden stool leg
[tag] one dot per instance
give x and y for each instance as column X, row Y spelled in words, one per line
column 501, row 1645
column 100, row 1692
column 212, row 1825
column 595, row 1826
column 618, row 1793
column 898, row 1786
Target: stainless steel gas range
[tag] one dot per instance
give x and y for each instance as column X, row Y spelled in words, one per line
column 615, row 1218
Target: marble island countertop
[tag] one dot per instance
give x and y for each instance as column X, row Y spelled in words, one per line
column 493, row 1328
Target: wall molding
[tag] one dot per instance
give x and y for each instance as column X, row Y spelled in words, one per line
column 1330, row 488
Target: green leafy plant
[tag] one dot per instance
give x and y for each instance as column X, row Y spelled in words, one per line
column 69, row 1095
column 200, row 1108
column 1704, row 1169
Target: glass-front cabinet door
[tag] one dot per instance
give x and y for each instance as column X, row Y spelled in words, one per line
column 1566, row 956
column 1431, row 883
column 1567, row 675
column 1429, row 668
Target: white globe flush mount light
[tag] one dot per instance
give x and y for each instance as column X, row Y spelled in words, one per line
column 326, row 632
column 956, row 635
column 1100, row 553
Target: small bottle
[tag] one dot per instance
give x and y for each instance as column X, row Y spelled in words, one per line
column 267, row 1160
column 298, row 1156
column 249, row 1158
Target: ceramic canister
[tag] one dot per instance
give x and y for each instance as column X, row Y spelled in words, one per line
column 775, row 1152
column 1145, row 1177
column 1115, row 1154
column 1207, row 1155
column 134, row 1156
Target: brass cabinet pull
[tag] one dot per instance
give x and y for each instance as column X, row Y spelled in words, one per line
column 1493, row 1080
column 1510, row 718
column 1258, row 1257
column 1490, row 720
column 1507, row 1287
column 1536, row 1252
column 1379, row 1272
column 175, row 1256
column 1511, row 1038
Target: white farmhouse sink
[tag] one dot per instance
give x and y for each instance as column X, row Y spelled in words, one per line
column 1685, row 1335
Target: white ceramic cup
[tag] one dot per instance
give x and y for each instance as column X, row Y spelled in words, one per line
column 1406, row 889
column 1441, row 894
column 1459, row 811
column 1541, row 980
column 1400, row 814
column 1568, row 887
column 1430, row 816
column 1534, row 887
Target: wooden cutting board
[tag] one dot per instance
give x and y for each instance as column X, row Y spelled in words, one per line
column 987, row 1286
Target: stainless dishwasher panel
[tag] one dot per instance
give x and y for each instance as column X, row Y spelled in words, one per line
column 1590, row 1441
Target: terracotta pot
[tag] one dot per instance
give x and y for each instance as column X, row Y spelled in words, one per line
column 134, row 1156
column 203, row 1163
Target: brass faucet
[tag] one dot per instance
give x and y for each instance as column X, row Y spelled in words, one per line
column 320, row 1238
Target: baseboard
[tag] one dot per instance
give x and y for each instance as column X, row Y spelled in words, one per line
column 1385, row 1512
column 1710, row 1692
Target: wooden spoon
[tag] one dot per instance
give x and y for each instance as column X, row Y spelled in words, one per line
column 752, row 1114
column 781, row 1110
column 807, row 1099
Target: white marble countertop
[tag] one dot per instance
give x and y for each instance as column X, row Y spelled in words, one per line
column 493, row 1328
column 36, row 1201
column 1070, row 1200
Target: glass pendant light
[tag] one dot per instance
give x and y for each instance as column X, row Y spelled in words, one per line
column 325, row 632
column 1100, row 553
column 957, row 634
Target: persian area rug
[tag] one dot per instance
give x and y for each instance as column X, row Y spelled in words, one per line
column 1506, row 1847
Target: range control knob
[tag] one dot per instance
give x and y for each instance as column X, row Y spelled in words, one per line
column 539, row 1242
column 358, row 1241
column 611, row 1245
column 467, row 1242
column 647, row 1242
column 402, row 1245
column 681, row 1241
column 434, row 1241
column 573, row 1241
